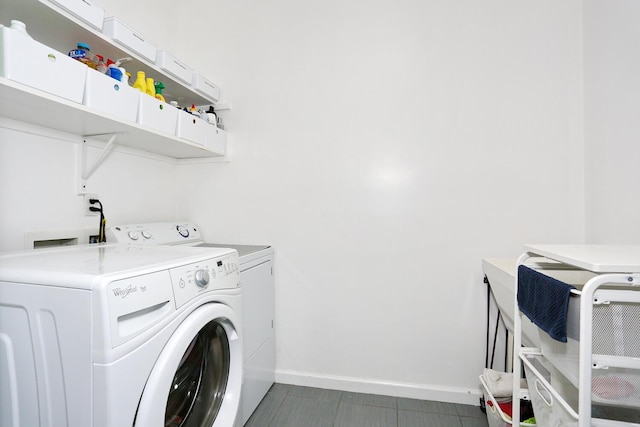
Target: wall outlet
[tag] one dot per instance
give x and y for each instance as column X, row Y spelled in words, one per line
column 87, row 204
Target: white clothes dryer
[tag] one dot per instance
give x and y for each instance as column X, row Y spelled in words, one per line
column 115, row 335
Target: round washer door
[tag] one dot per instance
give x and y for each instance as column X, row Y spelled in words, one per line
column 197, row 378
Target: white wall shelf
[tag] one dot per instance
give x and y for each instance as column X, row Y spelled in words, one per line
column 62, row 31
column 29, row 105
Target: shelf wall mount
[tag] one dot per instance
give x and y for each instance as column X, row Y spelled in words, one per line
column 84, row 170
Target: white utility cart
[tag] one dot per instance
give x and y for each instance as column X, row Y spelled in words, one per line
column 592, row 379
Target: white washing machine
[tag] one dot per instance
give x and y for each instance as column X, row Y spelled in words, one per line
column 116, row 335
column 256, row 276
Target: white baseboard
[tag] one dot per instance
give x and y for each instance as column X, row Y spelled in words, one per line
column 359, row 385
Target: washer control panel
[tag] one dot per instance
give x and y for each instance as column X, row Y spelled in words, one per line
column 157, row 233
column 137, row 303
column 191, row 280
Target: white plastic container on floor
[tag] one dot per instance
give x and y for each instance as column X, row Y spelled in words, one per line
column 495, row 416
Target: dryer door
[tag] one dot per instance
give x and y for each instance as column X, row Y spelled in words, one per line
column 197, row 379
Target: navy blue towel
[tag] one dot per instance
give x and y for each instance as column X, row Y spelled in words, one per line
column 545, row 301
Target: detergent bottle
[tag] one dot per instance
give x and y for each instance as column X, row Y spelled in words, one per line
column 82, row 53
column 140, row 83
column 211, row 116
column 151, row 88
column 20, row 27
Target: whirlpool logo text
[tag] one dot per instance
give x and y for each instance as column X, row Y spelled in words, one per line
column 124, row 292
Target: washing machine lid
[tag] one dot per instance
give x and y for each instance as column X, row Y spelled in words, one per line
column 243, row 250
column 80, row 266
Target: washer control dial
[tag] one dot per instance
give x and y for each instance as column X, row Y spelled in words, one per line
column 146, row 234
column 182, row 230
column 133, row 235
column 201, row 277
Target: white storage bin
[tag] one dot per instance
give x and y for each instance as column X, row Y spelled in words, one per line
column 549, row 407
column 86, row 10
column 621, row 314
column 205, row 87
column 157, row 114
column 192, row 128
column 171, row 65
column 111, row 96
column 216, row 139
column 34, row 64
column 495, row 416
column 128, row 37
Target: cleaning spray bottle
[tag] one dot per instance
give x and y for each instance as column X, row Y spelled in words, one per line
column 124, row 75
column 159, row 88
column 100, row 65
column 113, row 71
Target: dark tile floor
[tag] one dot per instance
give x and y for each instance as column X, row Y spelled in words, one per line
column 295, row 406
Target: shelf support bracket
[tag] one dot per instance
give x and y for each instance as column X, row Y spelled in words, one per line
column 84, row 172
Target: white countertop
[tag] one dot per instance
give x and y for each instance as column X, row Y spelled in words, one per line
column 596, row 258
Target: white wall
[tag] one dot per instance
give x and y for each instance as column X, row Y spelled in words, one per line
column 384, row 148
column 38, row 185
column 612, row 128
column 38, row 168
